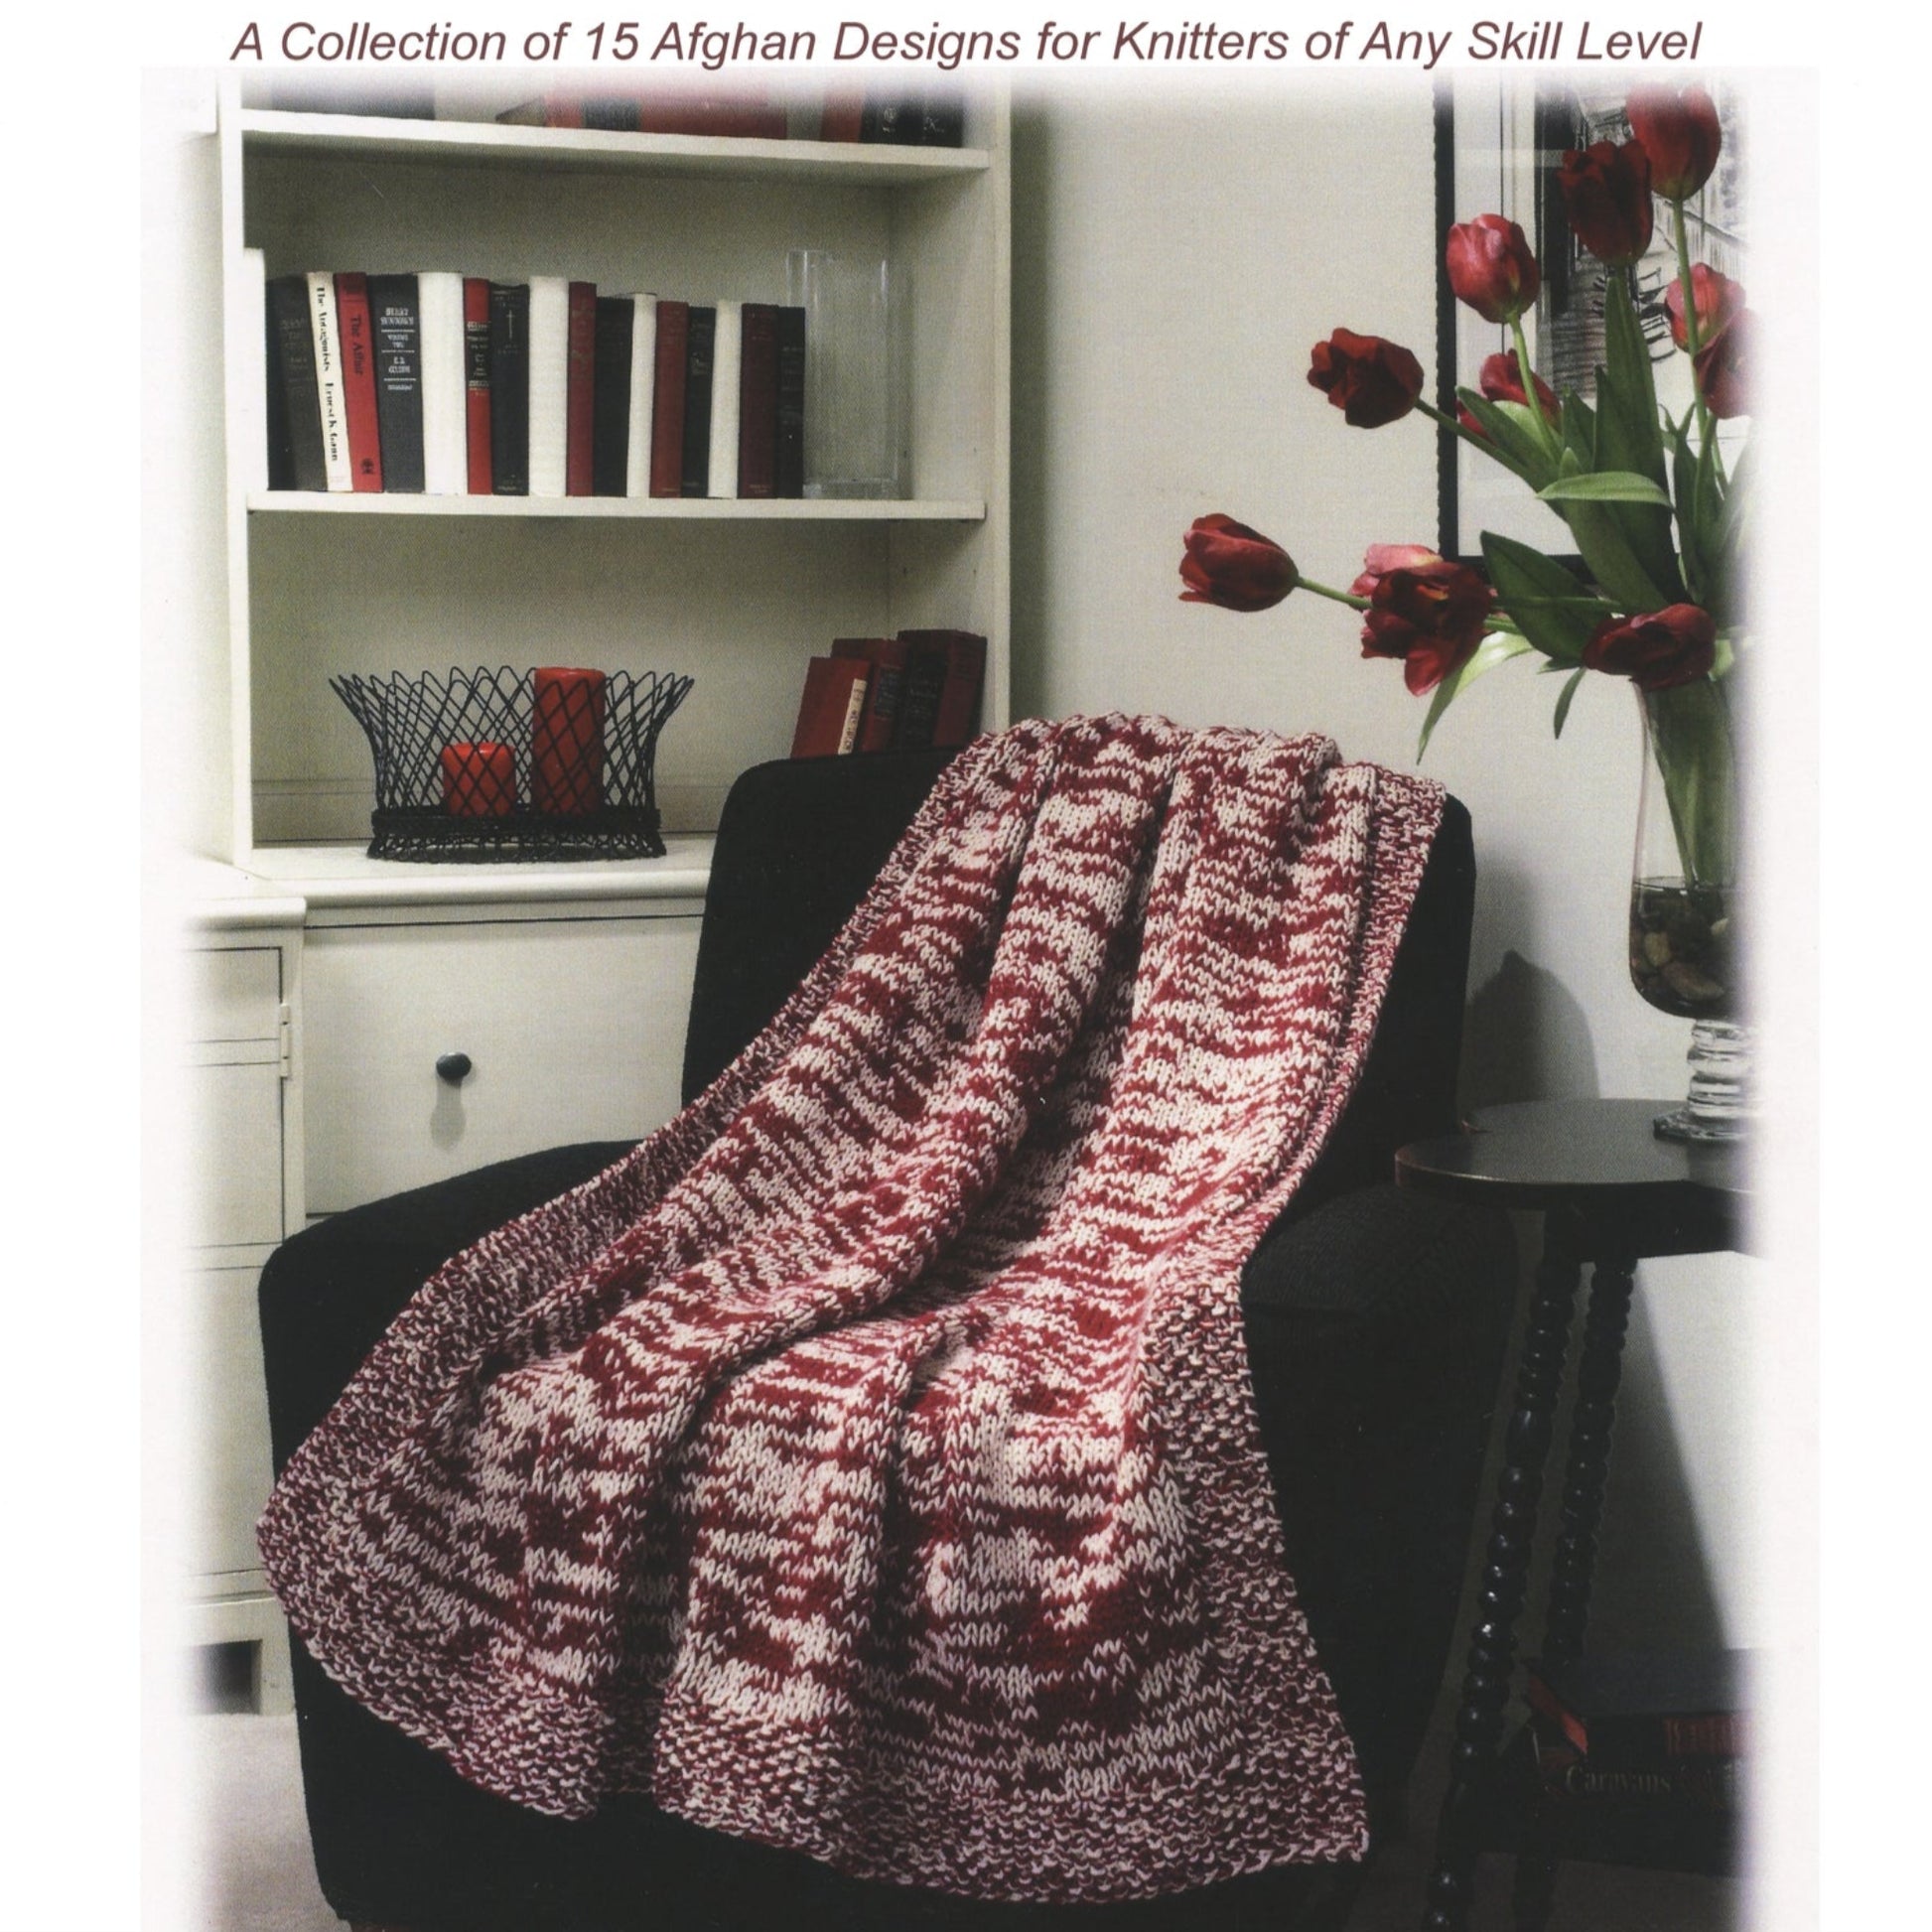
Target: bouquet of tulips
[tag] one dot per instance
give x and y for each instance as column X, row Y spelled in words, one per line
column 1656, row 514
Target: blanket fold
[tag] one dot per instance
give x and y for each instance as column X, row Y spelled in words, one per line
column 867, row 1463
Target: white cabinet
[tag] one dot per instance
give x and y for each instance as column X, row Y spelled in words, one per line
column 569, row 1028
column 241, row 1096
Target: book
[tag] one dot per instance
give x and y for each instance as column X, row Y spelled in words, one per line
column 757, row 401
column 942, row 122
column 547, row 110
column 956, row 709
column 475, row 385
column 549, row 383
column 919, row 704
column 1643, row 1709
column 643, row 392
column 358, row 381
column 295, row 459
column 1687, row 1784
column 788, row 457
column 610, row 395
column 667, row 400
column 446, row 456
column 727, row 360
column 614, row 113
column 510, row 388
column 328, row 351
column 843, row 116
column 887, row 658
column 700, row 342
column 831, row 708
column 891, row 120
column 396, row 328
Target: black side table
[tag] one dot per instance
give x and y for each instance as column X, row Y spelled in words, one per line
column 1610, row 1194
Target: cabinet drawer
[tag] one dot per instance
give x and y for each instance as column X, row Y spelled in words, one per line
column 574, row 1030
column 235, row 993
column 235, row 1115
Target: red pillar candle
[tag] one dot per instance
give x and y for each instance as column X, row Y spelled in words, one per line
column 567, row 742
column 478, row 780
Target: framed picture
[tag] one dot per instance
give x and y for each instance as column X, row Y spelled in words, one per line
column 1497, row 148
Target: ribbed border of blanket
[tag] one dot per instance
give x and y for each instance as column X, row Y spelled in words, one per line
column 399, row 1561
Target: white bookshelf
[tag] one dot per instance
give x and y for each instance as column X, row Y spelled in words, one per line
column 738, row 593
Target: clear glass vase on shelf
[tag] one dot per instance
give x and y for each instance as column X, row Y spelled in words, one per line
column 1687, row 952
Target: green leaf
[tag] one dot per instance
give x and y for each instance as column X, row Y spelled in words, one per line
column 1509, row 442
column 1564, row 697
column 1626, row 544
column 1690, row 532
column 1606, row 487
column 1498, row 647
column 1557, row 614
column 1602, row 537
column 1579, row 430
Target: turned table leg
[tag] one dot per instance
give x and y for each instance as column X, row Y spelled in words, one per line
column 1586, row 1466
column 1505, row 1578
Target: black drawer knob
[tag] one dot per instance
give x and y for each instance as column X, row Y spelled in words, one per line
column 454, row 1069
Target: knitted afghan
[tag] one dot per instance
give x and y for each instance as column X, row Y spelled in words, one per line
column 867, row 1463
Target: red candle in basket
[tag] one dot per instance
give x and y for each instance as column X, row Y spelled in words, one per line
column 567, row 742
column 478, row 780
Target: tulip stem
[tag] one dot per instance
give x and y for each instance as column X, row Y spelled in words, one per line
column 1334, row 596
column 1469, row 436
column 1693, row 331
column 1526, row 376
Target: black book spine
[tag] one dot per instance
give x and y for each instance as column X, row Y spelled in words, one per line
column 699, row 347
column 892, row 121
column 942, row 122
column 617, row 321
column 295, row 458
column 396, row 319
column 789, row 468
column 510, row 388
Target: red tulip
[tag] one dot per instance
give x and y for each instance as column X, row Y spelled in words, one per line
column 1607, row 195
column 1500, row 383
column 1680, row 133
column 1722, row 367
column 1717, row 299
column 1424, row 610
column 1491, row 268
column 1228, row 564
column 1371, row 382
column 1675, row 645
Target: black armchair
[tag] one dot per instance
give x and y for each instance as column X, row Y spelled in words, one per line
column 1375, row 1324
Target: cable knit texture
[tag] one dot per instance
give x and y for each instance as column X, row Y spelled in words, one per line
column 867, row 1463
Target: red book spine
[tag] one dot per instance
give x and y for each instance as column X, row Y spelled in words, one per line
column 844, row 108
column 758, row 402
column 959, row 696
column 579, row 395
column 830, row 710
column 667, row 401
column 358, row 381
column 476, row 379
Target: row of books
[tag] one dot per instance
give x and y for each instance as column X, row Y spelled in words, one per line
column 451, row 384
column 1665, row 1732
column 924, row 120
column 891, row 694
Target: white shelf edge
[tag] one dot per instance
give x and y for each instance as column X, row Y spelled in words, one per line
column 664, row 154
column 340, row 875
column 753, row 509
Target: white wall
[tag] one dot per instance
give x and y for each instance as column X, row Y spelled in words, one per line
column 1173, row 262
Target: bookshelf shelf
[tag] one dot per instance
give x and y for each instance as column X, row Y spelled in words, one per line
column 621, row 510
column 491, row 145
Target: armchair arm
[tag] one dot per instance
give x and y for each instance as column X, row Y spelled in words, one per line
column 1375, row 1326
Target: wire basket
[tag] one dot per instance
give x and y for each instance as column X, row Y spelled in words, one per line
column 505, row 764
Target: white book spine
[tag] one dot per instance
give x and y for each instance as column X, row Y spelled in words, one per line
column 549, row 383
column 854, row 709
column 727, row 365
column 446, row 452
column 328, row 381
column 644, row 396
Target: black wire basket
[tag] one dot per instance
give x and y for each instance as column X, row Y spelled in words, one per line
column 504, row 765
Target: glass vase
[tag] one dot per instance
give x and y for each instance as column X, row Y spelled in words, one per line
column 1687, row 950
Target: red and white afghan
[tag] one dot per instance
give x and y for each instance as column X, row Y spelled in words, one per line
column 867, row 1463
